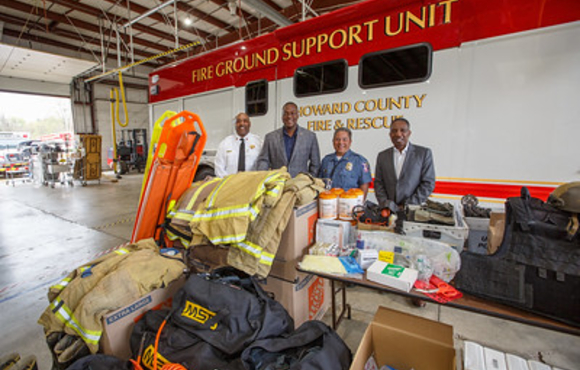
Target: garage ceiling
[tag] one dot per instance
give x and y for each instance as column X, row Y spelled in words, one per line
column 117, row 33
column 17, row 62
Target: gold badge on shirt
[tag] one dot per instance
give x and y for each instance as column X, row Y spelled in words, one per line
column 349, row 166
column 252, row 146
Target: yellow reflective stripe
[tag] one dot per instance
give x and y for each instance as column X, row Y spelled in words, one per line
column 254, row 211
column 121, row 251
column 221, row 213
column 196, row 194
column 273, row 192
column 256, row 251
column 215, row 191
column 275, row 177
column 65, row 315
column 261, row 189
column 242, row 210
column 267, row 258
column 172, row 203
column 250, row 248
column 61, row 285
column 186, row 214
column 227, row 239
column 174, row 237
column 183, row 215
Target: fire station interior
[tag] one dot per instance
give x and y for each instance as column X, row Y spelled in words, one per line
column 47, row 232
column 49, row 227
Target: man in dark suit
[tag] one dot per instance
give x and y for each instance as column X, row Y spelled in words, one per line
column 291, row 146
column 404, row 173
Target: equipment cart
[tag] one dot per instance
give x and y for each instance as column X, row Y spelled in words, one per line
column 55, row 167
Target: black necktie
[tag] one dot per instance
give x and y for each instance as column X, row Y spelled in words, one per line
column 242, row 156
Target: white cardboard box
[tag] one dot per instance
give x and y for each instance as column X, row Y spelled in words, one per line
column 473, row 356
column 494, row 360
column 515, row 362
column 395, row 276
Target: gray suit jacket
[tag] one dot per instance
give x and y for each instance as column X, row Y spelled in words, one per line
column 305, row 157
column 417, row 179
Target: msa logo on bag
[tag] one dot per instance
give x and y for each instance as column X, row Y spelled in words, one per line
column 198, row 313
column 148, row 357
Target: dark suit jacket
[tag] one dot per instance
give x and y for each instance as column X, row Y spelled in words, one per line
column 305, row 157
column 417, row 179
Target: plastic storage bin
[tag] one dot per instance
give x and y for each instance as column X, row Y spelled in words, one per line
column 453, row 235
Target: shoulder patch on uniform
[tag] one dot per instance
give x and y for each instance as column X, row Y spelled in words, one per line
column 365, row 167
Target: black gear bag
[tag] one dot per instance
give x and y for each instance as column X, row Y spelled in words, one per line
column 313, row 346
column 229, row 310
column 176, row 345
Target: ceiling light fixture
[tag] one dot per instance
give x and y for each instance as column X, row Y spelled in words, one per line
column 232, row 6
column 148, row 13
column 187, row 21
column 269, row 12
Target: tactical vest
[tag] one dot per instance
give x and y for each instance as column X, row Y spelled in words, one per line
column 536, row 267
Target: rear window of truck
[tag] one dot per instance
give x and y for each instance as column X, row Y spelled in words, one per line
column 323, row 78
column 398, row 66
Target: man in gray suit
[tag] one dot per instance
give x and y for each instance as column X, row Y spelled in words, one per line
column 291, row 146
column 404, row 173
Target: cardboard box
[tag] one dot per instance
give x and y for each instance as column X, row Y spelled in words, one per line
column 308, row 299
column 406, row 342
column 478, row 232
column 392, row 275
column 118, row 325
column 495, row 231
column 295, row 240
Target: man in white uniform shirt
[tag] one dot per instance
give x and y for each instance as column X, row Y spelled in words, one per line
column 228, row 159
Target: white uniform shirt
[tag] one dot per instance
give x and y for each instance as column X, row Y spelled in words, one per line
column 226, row 161
column 399, row 159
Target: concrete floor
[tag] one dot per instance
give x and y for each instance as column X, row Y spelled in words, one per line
column 45, row 233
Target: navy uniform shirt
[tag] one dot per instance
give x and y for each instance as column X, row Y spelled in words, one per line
column 351, row 171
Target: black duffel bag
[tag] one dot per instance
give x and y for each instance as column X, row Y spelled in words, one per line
column 229, row 310
column 100, row 362
column 176, row 346
column 313, row 346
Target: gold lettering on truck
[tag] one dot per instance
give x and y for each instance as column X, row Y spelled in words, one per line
column 394, row 24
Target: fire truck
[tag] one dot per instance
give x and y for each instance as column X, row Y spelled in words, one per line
column 11, row 160
column 492, row 87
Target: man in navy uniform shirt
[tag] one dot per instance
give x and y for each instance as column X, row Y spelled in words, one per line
column 345, row 168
